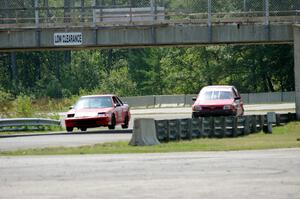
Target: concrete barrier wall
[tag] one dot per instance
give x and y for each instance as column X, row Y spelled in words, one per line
column 189, row 99
column 288, row 97
column 140, row 101
column 245, row 98
column 169, row 100
column 186, row 100
column 258, row 98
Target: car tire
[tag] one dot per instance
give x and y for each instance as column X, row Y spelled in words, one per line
column 235, row 114
column 69, row 129
column 83, row 129
column 194, row 115
column 125, row 125
column 113, row 122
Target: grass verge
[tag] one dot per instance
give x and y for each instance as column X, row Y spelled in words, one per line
column 283, row 137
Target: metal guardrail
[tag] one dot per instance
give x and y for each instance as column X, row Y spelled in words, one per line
column 19, row 122
column 46, row 13
column 215, row 127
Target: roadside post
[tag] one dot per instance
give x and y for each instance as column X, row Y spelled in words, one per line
column 271, row 118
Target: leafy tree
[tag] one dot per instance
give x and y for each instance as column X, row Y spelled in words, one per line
column 118, row 82
column 252, row 68
column 138, row 68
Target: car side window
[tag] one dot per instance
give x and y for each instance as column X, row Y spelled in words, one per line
column 120, row 101
column 234, row 93
column 116, row 102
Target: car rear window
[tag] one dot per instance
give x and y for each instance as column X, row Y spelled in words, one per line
column 93, row 102
column 215, row 95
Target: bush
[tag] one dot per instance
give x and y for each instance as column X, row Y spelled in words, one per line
column 6, row 103
column 23, row 107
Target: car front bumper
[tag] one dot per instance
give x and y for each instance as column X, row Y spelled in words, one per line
column 87, row 122
column 207, row 113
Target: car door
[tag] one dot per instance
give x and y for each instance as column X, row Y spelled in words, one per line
column 239, row 102
column 124, row 109
column 118, row 109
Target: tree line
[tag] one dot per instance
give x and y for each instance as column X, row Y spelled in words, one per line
column 147, row 71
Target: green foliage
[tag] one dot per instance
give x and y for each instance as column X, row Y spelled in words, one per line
column 260, row 68
column 148, row 71
column 23, row 106
column 118, row 82
column 6, row 103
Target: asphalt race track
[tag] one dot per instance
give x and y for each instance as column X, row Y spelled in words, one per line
column 102, row 135
column 238, row 174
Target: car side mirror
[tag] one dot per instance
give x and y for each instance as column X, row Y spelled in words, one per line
column 71, row 107
column 194, row 98
column 237, row 98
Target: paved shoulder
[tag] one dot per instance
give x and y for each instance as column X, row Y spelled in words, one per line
column 239, row 174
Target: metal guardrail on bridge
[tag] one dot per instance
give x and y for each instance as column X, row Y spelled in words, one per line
column 49, row 13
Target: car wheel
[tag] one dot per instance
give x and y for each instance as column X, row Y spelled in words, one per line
column 69, row 129
column 113, row 122
column 125, row 125
column 83, row 129
column 194, row 115
column 243, row 112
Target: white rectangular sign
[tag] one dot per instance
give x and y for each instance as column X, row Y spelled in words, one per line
column 68, row 39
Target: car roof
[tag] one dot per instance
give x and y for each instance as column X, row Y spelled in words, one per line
column 105, row 95
column 218, row 87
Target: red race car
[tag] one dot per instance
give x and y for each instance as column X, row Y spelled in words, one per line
column 97, row 110
column 218, row 101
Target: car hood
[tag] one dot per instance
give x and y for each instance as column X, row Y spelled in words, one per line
column 214, row 102
column 90, row 112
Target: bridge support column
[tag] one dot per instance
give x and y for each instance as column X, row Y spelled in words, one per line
column 297, row 68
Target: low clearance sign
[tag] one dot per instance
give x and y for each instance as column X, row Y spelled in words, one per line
column 68, row 39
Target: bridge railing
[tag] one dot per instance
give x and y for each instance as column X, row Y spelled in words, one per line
column 41, row 13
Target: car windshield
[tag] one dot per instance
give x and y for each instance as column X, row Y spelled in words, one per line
column 93, row 102
column 215, row 95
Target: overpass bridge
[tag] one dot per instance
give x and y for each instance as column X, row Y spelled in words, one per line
column 70, row 24
column 81, row 24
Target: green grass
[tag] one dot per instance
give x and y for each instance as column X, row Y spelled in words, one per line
column 283, row 137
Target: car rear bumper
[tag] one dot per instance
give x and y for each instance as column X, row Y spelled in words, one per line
column 206, row 113
column 87, row 122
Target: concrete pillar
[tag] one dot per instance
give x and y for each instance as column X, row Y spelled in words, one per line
column 94, row 12
column 36, row 13
column 14, row 69
column 297, row 68
column 82, row 18
column 267, row 12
